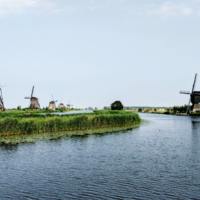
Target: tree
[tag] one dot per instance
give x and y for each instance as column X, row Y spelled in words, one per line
column 117, row 105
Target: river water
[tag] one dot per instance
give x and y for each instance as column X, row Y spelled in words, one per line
column 159, row 160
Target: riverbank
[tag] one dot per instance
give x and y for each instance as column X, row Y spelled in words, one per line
column 176, row 110
column 17, row 127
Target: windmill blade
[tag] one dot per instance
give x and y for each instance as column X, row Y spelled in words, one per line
column 194, row 84
column 27, row 98
column 185, row 92
column 1, row 99
column 1, row 94
column 52, row 97
column 32, row 91
column 1, row 103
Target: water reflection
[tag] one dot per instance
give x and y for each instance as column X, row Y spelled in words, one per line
column 195, row 126
column 6, row 147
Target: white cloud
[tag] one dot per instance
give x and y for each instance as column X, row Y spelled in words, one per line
column 129, row 7
column 169, row 8
column 17, row 6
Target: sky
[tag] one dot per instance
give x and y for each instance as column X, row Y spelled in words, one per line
column 92, row 52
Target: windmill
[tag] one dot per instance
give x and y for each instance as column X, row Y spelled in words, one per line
column 62, row 106
column 34, row 102
column 69, row 106
column 2, row 107
column 194, row 97
column 52, row 104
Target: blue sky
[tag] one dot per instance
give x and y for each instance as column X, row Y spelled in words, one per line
column 92, row 52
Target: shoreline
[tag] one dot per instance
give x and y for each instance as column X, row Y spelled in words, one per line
column 19, row 139
column 15, row 130
column 173, row 114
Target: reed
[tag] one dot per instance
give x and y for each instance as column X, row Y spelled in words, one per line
column 23, row 123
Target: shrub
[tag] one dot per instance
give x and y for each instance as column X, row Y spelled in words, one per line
column 117, row 105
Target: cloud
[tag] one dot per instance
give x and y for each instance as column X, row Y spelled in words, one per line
column 126, row 7
column 18, row 6
column 169, row 8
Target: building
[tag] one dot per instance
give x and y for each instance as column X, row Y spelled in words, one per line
column 52, row 105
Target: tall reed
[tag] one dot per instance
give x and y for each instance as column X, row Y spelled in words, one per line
column 23, row 123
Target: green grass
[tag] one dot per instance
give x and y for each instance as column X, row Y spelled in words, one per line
column 24, row 123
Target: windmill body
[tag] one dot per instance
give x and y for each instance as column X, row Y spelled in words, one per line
column 34, row 101
column 52, row 105
column 194, row 98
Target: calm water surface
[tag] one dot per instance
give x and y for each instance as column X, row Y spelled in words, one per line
column 160, row 160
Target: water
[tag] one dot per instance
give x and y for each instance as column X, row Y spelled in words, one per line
column 74, row 112
column 159, row 160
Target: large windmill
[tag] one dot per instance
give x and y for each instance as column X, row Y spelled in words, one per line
column 2, row 107
column 34, row 101
column 194, row 98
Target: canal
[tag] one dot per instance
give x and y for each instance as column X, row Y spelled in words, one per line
column 159, row 160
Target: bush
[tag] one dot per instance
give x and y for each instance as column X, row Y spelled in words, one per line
column 117, row 105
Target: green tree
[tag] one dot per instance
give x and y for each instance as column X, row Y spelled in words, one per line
column 117, row 105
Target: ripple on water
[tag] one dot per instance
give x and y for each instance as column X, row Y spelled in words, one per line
column 159, row 160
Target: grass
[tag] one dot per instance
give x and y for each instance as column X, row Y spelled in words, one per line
column 21, row 125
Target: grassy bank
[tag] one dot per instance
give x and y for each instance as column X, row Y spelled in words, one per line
column 26, row 126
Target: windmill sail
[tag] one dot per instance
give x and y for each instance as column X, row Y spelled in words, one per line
column 2, row 107
column 184, row 92
column 194, row 84
column 32, row 91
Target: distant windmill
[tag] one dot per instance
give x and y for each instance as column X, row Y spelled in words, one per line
column 34, row 102
column 62, row 106
column 69, row 106
column 194, row 97
column 2, row 107
column 52, row 104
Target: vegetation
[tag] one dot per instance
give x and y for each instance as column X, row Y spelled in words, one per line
column 117, row 105
column 179, row 109
column 176, row 110
column 22, row 123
